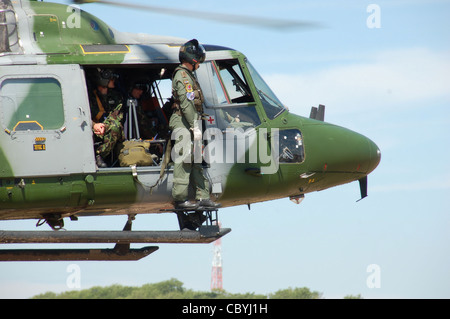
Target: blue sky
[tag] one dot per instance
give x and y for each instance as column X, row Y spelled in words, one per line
column 391, row 84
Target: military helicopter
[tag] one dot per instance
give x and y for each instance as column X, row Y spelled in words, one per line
column 255, row 149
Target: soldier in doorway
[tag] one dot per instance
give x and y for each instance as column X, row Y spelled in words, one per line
column 188, row 105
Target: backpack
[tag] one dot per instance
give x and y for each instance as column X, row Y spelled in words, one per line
column 136, row 152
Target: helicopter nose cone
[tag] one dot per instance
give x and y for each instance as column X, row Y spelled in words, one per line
column 375, row 156
column 340, row 150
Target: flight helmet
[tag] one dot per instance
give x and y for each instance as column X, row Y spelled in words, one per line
column 192, row 52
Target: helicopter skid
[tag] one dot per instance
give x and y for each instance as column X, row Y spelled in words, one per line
column 74, row 254
column 118, row 237
column 122, row 239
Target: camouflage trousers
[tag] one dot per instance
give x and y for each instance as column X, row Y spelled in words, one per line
column 113, row 133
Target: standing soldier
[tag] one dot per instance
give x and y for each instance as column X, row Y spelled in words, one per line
column 188, row 105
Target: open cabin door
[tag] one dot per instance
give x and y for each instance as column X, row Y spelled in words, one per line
column 45, row 120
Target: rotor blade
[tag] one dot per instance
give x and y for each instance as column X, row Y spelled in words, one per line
column 277, row 24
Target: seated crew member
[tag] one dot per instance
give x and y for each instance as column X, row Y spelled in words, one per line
column 150, row 119
column 135, row 93
column 107, row 115
column 148, row 123
column 153, row 111
column 154, row 115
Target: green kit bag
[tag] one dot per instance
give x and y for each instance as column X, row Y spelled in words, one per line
column 136, row 152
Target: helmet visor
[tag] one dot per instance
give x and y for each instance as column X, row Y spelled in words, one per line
column 201, row 53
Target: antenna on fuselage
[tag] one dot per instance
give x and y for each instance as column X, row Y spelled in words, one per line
column 318, row 113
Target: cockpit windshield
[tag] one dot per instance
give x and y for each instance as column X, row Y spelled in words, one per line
column 270, row 102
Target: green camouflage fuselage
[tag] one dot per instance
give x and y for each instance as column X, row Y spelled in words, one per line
column 47, row 161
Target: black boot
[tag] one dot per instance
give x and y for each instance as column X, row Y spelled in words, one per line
column 100, row 162
column 208, row 203
column 185, row 205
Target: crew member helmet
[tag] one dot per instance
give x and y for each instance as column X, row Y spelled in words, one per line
column 104, row 76
column 192, row 52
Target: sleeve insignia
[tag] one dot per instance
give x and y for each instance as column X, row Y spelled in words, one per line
column 190, row 96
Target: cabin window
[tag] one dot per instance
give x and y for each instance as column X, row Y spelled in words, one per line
column 272, row 105
column 228, row 92
column 32, row 104
column 291, row 146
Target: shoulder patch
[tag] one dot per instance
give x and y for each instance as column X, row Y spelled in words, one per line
column 183, row 74
column 190, row 96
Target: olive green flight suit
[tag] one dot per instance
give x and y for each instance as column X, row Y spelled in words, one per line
column 188, row 103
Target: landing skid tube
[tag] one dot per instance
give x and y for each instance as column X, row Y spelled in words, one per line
column 114, row 237
column 122, row 239
column 74, row 254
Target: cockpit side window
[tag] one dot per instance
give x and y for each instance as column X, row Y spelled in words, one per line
column 228, row 93
column 219, row 89
column 231, row 81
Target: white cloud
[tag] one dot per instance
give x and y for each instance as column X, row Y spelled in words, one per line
column 388, row 79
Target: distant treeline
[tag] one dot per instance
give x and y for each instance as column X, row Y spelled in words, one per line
column 173, row 289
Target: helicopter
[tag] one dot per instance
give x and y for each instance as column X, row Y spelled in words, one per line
column 255, row 149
